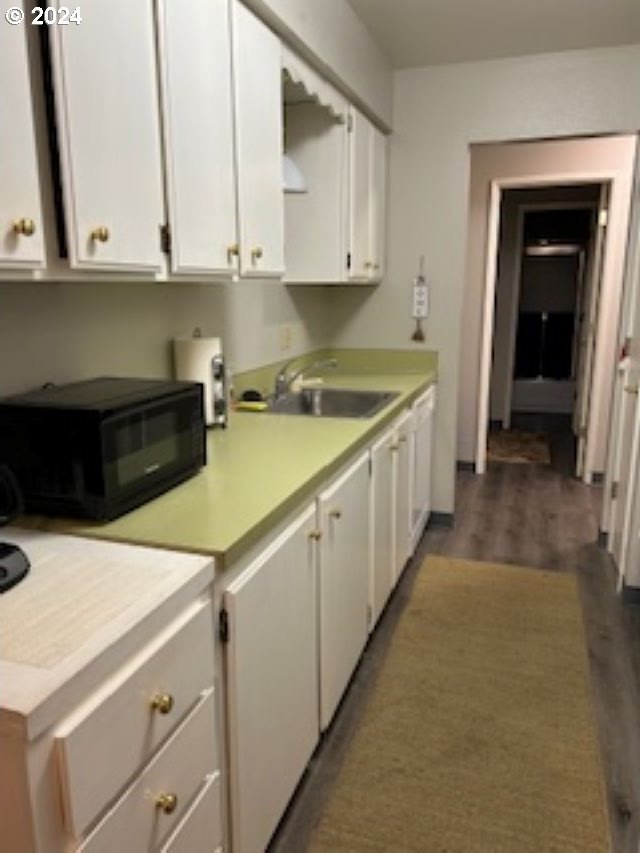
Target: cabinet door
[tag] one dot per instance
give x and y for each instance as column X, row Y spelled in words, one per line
column 21, row 242
column 272, row 686
column 422, row 453
column 344, row 582
column 382, row 523
column 195, row 54
column 401, row 497
column 359, row 196
column 257, row 69
column 378, row 204
column 109, row 137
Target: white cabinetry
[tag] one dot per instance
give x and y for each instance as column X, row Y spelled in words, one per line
column 272, row 681
column 108, row 732
column 257, row 67
column 195, row 64
column 343, row 511
column 21, row 238
column 367, row 199
column 421, row 451
column 106, row 96
column 382, row 532
column 402, row 483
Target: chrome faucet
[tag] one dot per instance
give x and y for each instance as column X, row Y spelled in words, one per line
column 284, row 382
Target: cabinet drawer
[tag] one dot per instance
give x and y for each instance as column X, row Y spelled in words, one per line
column 200, row 830
column 104, row 743
column 137, row 822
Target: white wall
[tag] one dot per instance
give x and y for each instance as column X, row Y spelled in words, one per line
column 61, row 332
column 329, row 33
column 438, row 112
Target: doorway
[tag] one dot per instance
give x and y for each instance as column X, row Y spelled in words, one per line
column 546, row 290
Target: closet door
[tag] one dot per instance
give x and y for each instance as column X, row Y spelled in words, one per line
column 21, row 243
column 195, row 57
column 106, row 93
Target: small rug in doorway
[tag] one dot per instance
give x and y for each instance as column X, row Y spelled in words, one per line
column 511, row 445
column 479, row 734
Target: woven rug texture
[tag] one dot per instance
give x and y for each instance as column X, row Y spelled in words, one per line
column 512, row 445
column 478, row 735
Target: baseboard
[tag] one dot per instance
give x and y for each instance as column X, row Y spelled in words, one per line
column 441, row 519
column 465, row 466
column 602, row 538
column 630, row 594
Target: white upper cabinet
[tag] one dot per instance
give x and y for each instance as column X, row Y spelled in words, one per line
column 21, row 238
column 195, row 62
column 106, row 93
column 258, row 106
column 367, row 199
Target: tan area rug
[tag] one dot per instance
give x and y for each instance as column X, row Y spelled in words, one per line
column 478, row 736
column 510, row 445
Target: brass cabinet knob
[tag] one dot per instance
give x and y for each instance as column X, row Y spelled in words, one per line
column 24, row 227
column 167, row 803
column 335, row 513
column 100, row 235
column 402, row 439
column 162, row 702
column 631, row 389
column 315, row 535
column 256, row 254
column 368, row 265
column 232, row 252
column 394, row 448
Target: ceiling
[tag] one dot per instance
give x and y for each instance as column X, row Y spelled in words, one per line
column 432, row 32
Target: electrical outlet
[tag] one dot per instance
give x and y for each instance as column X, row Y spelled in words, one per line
column 285, row 334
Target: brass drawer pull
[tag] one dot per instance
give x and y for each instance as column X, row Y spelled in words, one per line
column 256, row 254
column 335, row 513
column 24, row 227
column 167, row 803
column 162, row 702
column 232, row 252
column 315, row 535
column 100, row 235
column 631, row 389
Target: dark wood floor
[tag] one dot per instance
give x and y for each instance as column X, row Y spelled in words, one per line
column 530, row 515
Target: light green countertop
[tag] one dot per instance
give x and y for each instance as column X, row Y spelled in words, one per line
column 259, row 469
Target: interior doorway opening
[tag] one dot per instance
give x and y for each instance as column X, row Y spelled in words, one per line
column 549, row 251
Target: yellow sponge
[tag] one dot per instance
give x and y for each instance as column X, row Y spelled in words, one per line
column 251, row 406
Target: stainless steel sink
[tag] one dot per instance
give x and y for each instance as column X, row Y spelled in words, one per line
column 332, row 403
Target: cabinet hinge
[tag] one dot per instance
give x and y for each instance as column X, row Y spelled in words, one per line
column 165, row 239
column 223, row 626
column 370, row 463
column 350, row 124
column 615, row 488
column 369, row 615
column 348, row 260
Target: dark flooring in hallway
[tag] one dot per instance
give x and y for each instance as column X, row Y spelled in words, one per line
column 530, row 515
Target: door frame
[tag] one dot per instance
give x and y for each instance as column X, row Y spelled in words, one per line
column 497, row 187
column 521, row 212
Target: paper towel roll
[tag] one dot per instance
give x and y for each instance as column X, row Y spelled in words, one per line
column 194, row 363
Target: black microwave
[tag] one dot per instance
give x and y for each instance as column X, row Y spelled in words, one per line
column 99, row 448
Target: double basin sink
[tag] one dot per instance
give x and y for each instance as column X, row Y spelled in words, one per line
column 331, row 402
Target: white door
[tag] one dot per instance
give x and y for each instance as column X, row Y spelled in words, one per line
column 21, row 238
column 343, row 511
column 378, row 203
column 360, row 131
column 195, row 62
column 423, row 410
column 272, row 681
column 382, row 524
column 401, row 496
column 257, row 70
column 587, row 334
column 108, row 120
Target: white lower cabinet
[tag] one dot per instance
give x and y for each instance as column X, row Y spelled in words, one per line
column 421, row 462
column 343, row 515
column 402, row 483
column 272, row 681
column 382, row 523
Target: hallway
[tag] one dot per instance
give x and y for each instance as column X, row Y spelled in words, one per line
column 534, row 516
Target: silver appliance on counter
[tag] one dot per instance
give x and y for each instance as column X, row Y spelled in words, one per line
column 200, row 359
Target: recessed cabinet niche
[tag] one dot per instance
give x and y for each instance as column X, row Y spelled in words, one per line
column 108, row 134
column 21, row 237
column 315, row 143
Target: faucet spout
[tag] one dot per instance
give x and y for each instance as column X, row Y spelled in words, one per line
column 284, row 380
